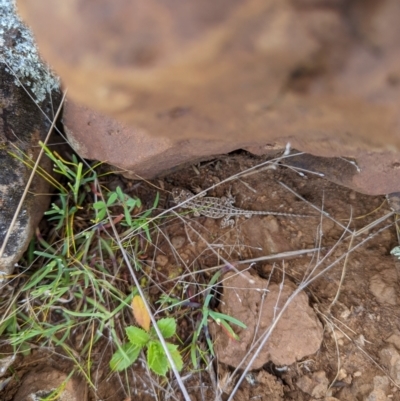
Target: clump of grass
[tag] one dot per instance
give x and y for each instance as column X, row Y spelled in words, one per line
column 203, row 309
column 71, row 296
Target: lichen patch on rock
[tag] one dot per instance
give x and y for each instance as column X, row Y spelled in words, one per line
column 19, row 54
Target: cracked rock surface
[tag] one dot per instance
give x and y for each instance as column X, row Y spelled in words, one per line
column 29, row 94
column 257, row 303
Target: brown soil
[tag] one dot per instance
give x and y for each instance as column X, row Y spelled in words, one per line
column 359, row 355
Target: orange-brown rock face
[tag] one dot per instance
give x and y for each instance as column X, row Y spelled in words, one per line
column 324, row 75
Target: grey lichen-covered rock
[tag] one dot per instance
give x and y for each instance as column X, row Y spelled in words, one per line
column 18, row 52
column 29, row 95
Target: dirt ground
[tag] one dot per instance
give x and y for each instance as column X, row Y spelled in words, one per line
column 349, row 350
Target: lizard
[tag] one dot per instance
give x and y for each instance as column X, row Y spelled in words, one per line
column 217, row 208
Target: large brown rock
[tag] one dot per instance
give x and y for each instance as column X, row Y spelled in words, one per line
column 135, row 153
column 40, row 383
column 257, row 303
column 323, row 75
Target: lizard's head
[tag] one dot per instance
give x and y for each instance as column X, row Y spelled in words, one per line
column 179, row 194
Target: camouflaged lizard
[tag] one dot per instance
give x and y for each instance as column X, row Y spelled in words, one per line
column 217, row 208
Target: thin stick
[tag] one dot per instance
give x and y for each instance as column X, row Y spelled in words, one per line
column 343, row 274
column 263, row 339
column 149, row 311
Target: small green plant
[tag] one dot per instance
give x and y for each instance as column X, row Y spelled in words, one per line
column 220, row 318
column 146, row 339
column 206, row 313
column 73, row 172
column 117, row 198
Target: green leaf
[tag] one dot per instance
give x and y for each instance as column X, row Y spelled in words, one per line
column 193, row 354
column 8, row 323
column 128, row 217
column 137, row 336
column 99, row 205
column 131, row 202
column 221, row 316
column 46, row 255
column 120, row 194
column 176, row 356
column 167, row 327
column 156, row 358
column 101, row 208
column 74, row 159
column 155, row 200
column 228, row 328
column 124, row 357
column 25, row 349
column 112, row 198
column 55, row 209
column 39, row 275
column 210, row 346
column 77, row 184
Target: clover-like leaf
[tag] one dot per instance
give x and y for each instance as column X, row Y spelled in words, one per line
column 137, row 336
column 167, row 327
column 176, row 356
column 124, row 356
column 112, row 197
column 156, row 358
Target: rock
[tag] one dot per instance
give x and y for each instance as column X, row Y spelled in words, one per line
column 137, row 154
column 381, row 389
column 178, row 241
column 313, row 73
column 316, row 385
column 273, row 387
column 5, row 363
column 390, row 358
column 383, row 286
column 356, row 392
column 394, row 201
column 24, row 121
column 297, row 334
column 394, row 339
column 162, row 260
column 38, row 384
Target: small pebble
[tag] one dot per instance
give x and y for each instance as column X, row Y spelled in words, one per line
column 342, row 374
column 161, row 260
column 177, row 242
